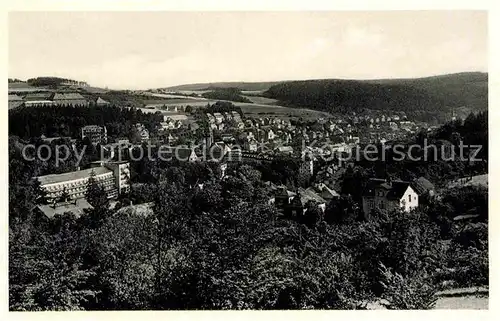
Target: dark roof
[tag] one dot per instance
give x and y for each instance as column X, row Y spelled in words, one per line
column 281, row 191
column 396, row 188
column 296, row 201
column 310, row 195
column 422, row 186
column 425, row 183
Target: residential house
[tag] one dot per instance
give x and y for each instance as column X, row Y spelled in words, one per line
column 250, row 144
column 297, row 206
column 424, row 188
column 270, row 135
column 326, row 192
column 389, row 195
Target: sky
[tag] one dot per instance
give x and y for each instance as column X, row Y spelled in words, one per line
column 139, row 50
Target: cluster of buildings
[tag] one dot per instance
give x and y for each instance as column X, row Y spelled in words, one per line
column 224, row 120
column 96, row 134
column 381, row 194
column 293, row 204
column 46, row 98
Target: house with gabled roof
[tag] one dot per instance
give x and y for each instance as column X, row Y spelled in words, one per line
column 387, row 194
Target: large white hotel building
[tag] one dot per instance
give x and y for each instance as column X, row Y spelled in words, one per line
column 112, row 176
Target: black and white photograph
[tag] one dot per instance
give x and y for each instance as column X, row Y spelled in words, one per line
column 247, row 160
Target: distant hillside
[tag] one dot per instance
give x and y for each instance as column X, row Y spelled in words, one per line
column 230, row 94
column 430, row 96
column 245, row 86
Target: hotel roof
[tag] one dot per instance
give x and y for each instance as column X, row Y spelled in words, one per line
column 72, row 176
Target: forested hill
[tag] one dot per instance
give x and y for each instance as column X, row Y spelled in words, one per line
column 430, row 94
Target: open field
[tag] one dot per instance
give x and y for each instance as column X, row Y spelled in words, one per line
column 171, row 101
column 261, row 100
column 22, row 87
column 170, row 96
column 473, row 298
column 462, row 302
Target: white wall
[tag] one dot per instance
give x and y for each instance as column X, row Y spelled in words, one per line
column 405, row 202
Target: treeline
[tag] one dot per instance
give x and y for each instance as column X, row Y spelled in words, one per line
column 426, row 95
column 52, row 82
column 51, row 121
column 231, row 94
